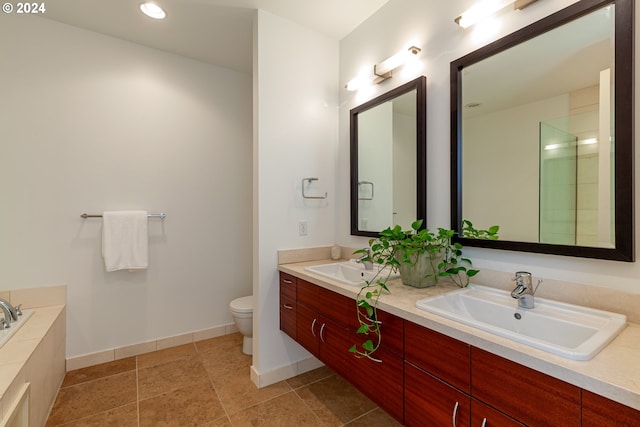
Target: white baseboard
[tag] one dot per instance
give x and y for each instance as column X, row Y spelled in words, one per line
column 263, row 379
column 112, row 354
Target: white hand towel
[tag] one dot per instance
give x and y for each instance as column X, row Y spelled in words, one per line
column 125, row 240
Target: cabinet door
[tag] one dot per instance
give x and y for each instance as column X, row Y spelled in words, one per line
column 429, row 402
column 598, row 411
column 391, row 327
column 307, row 328
column 529, row 396
column 485, row 416
column 381, row 379
column 334, row 345
column 443, row 356
column 325, row 302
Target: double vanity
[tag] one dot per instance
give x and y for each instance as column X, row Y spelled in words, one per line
column 446, row 359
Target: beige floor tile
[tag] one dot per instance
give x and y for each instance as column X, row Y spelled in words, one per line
column 335, row 401
column 375, row 418
column 99, row 371
column 310, row 377
column 124, row 416
column 220, row 422
column 283, row 411
column 237, row 391
column 166, row 355
column 93, row 397
column 190, row 406
column 206, row 384
column 223, row 355
column 169, row 376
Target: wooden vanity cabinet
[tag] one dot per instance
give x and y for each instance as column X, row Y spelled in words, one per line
column 326, row 327
column 438, row 354
column 485, row 416
column 527, row 395
column 425, row 378
column 379, row 377
column 288, row 305
column 437, row 379
column 430, row 401
column 322, row 315
column 598, row 411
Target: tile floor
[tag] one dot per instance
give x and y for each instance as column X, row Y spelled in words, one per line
column 206, row 383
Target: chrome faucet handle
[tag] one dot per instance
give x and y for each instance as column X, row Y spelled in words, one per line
column 18, row 309
column 4, row 324
column 537, row 286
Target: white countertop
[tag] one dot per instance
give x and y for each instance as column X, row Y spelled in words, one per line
column 613, row 373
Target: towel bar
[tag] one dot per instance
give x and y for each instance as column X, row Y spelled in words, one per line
column 161, row 215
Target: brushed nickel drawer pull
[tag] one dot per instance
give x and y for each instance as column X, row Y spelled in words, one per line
column 374, row 359
column 455, row 413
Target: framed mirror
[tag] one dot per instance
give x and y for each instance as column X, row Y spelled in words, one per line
column 388, row 159
column 542, row 135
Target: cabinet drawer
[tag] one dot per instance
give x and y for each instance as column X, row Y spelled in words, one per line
column 429, row 401
column 598, row 411
column 288, row 316
column 288, row 286
column 527, row 395
column 443, row 356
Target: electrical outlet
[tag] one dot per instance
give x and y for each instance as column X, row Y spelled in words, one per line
column 303, row 228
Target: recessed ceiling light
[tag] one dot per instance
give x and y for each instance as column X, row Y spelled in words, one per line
column 152, row 10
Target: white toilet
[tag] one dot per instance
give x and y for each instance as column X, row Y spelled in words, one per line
column 242, row 312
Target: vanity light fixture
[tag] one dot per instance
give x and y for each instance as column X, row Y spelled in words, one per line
column 152, row 10
column 487, row 8
column 384, row 69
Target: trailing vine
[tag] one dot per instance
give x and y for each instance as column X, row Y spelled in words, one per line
column 395, row 247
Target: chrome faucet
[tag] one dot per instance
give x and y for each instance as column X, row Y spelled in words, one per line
column 524, row 290
column 366, row 259
column 10, row 312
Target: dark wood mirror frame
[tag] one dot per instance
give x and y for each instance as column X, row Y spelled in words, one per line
column 624, row 131
column 420, row 86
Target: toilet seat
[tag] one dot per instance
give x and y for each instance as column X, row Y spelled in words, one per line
column 242, row 305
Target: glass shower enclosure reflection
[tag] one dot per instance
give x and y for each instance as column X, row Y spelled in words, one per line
column 576, row 197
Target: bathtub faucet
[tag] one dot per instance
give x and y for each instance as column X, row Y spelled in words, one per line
column 10, row 312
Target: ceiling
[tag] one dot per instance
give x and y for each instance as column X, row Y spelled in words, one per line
column 217, row 32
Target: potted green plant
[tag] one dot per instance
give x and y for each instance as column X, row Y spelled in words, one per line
column 422, row 257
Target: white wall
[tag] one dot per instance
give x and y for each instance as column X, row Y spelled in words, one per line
column 295, row 137
column 492, row 141
column 429, row 24
column 375, row 164
column 91, row 123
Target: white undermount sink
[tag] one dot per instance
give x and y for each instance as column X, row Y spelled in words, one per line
column 349, row 272
column 567, row 330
